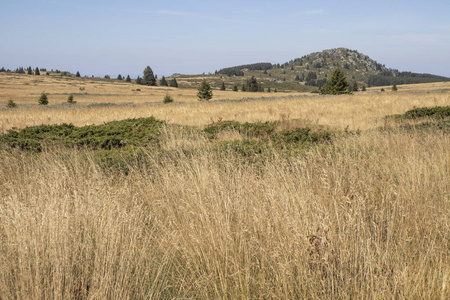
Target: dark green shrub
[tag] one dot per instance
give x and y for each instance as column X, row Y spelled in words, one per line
column 70, row 99
column 116, row 134
column 167, row 99
column 11, row 104
column 249, row 130
column 43, row 99
column 435, row 112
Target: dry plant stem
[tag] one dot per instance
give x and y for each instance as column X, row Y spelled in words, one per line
column 365, row 218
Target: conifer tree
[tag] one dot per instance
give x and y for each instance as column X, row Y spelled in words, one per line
column 78, row 74
column 235, row 88
column 43, row 99
column 29, row 71
column 173, row 82
column 252, row 84
column 70, row 99
column 204, row 91
column 128, row 78
column 149, row 78
column 336, row 84
column 36, row 72
column 119, row 77
column 243, row 88
column 138, row 80
column 222, row 87
column 394, row 87
column 163, row 82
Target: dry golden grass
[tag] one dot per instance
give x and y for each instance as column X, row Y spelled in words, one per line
column 367, row 218
column 358, row 111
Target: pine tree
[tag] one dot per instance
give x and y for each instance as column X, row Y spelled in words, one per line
column 128, row 78
column 252, row 85
column 167, row 99
column 78, row 74
column 36, row 72
column 173, row 83
column 235, row 88
column 29, row 71
column 268, row 89
column 204, row 91
column 394, row 87
column 119, row 77
column 70, row 99
column 43, row 99
column 138, row 80
column 336, row 84
column 149, row 78
column 243, row 88
column 163, row 82
column 11, row 104
column 222, row 87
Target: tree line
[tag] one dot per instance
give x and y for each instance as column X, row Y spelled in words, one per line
column 238, row 70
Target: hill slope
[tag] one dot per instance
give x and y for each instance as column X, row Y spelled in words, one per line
column 310, row 72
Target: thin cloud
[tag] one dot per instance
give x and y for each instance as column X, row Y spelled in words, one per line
column 313, row 12
column 193, row 15
column 174, row 13
column 419, row 38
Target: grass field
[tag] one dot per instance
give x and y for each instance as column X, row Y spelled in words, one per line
column 102, row 101
column 206, row 211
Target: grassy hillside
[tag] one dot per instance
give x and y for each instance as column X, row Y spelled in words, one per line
column 310, row 72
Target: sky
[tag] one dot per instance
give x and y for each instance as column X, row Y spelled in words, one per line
column 110, row 37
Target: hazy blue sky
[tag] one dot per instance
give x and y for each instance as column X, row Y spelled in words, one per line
column 98, row 37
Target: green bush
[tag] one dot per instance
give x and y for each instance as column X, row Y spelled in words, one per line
column 300, row 136
column 70, row 99
column 167, row 99
column 435, row 112
column 11, row 104
column 116, row 134
column 43, row 99
column 249, row 130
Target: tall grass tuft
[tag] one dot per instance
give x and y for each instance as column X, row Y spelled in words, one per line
column 366, row 217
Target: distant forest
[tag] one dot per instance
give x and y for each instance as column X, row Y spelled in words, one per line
column 238, row 70
column 393, row 77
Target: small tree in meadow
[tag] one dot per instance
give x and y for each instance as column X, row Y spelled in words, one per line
column 204, row 91
column 128, row 78
column 173, row 83
column 70, row 99
column 168, row 99
column 222, row 86
column 336, row 84
column 394, row 87
column 235, row 88
column 11, row 104
column 43, row 99
column 78, row 74
column 163, row 82
column 36, row 72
